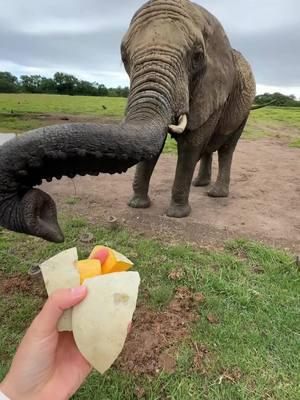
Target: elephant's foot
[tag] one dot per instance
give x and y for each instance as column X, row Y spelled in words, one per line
column 139, row 202
column 201, row 181
column 176, row 211
column 219, row 191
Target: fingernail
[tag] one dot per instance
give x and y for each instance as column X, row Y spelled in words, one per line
column 78, row 291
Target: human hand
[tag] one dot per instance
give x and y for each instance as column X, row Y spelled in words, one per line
column 48, row 364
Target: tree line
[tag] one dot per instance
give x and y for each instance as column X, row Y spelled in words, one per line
column 61, row 83
column 277, row 99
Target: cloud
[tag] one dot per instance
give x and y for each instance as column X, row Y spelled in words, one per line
column 83, row 37
column 58, row 26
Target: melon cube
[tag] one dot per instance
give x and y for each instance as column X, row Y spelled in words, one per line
column 88, row 269
column 114, row 262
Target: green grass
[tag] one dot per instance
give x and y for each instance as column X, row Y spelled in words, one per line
column 274, row 122
column 17, row 115
column 295, row 143
column 253, row 291
column 40, row 103
column 277, row 115
column 170, row 146
column 18, row 123
column 72, row 200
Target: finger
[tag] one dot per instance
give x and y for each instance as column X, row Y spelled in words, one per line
column 59, row 301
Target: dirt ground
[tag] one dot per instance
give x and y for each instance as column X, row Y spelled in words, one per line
column 158, row 352
column 170, row 327
column 264, row 203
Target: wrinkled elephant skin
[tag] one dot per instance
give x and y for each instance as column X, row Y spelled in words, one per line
column 185, row 78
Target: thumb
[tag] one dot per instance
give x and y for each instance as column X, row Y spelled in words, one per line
column 59, row 301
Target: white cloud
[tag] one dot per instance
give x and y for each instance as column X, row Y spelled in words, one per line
column 252, row 16
column 54, row 26
column 82, row 37
column 108, row 78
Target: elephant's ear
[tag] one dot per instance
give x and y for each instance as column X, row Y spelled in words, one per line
column 213, row 85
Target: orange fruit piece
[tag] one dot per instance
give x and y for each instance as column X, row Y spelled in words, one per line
column 114, row 261
column 88, row 269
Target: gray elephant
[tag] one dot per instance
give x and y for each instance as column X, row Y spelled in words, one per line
column 185, row 79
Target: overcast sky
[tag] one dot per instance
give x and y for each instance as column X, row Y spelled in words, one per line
column 82, row 37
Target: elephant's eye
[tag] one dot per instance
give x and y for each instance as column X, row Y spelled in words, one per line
column 123, row 54
column 197, row 59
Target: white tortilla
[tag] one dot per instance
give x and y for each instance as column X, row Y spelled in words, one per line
column 100, row 321
column 59, row 272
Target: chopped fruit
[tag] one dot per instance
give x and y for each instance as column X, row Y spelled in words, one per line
column 88, row 269
column 114, row 262
column 100, row 254
column 99, row 337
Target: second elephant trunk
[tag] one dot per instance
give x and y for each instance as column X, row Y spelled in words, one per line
column 66, row 150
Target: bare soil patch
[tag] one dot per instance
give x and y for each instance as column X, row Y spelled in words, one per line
column 20, row 283
column 61, row 118
column 264, row 203
column 150, row 346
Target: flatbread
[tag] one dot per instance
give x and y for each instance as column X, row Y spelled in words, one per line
column 59, row 272
column 100, row 322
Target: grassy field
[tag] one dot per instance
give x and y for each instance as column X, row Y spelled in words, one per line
column 40, row 103
column 247, row 326
column 18, row 114
column 275, row 122
column 244, row 343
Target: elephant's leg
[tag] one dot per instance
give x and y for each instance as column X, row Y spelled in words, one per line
column 204, row 175
column 188, row 156
column 221, row 187
column 141, row 182
column 225, row 154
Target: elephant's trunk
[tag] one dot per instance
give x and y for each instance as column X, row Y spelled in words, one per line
column 67, row 150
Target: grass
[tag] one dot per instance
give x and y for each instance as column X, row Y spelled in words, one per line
column 18, row 123
column 40, row 103
column 17, row 114
column 295, row 143
column 253, row 290
column 277, row 115
column 72, row 200
column 274, row 122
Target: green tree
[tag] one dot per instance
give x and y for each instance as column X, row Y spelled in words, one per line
column 278, row 99
column 48, row 85
column 31, row 83
column 8, row 83
column 61, row 83
column 65, row 83
column 86, row 88
column 102, row 90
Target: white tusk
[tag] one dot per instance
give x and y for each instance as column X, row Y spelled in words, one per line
column 182, row 124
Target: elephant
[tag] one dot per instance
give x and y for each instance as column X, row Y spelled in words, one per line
column 185, row 79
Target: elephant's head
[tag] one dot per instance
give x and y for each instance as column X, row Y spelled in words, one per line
column 177, row 51
column 169, row 53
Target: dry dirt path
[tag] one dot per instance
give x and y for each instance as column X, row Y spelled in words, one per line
column 264, row 203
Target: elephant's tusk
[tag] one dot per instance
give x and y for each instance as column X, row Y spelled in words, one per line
column 182, row 124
